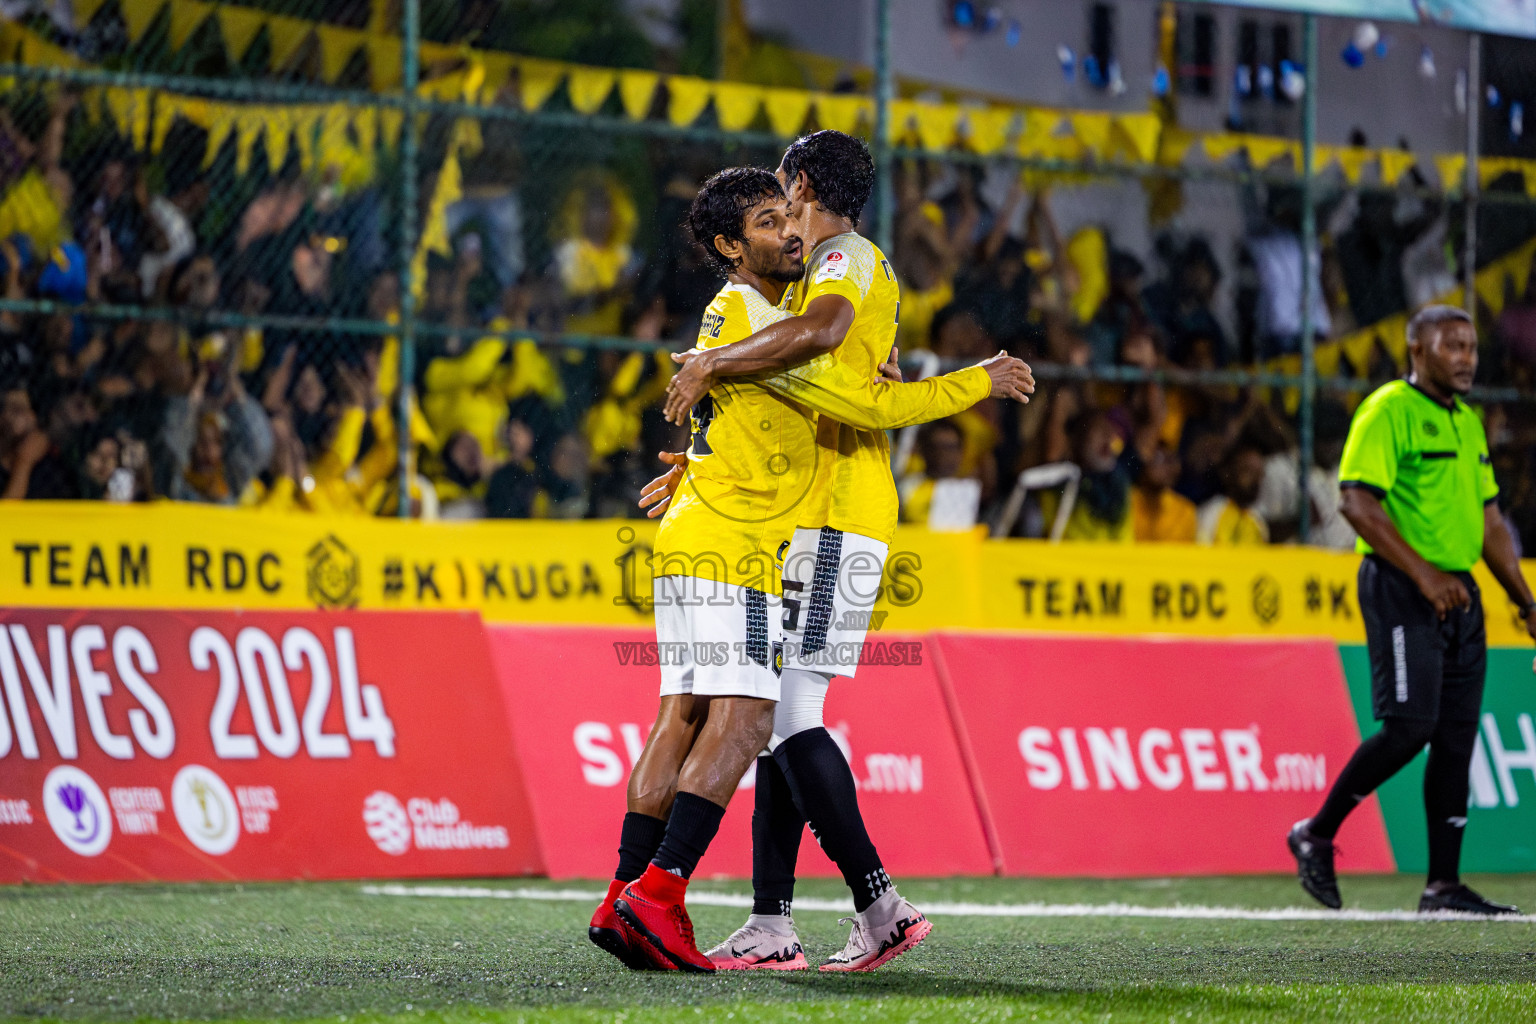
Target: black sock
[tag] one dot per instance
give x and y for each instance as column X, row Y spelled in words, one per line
column 1375, row 761
column 823, row 787
column 777, row 826
column 1445, row 797
column 639, row 838
column 690, row 828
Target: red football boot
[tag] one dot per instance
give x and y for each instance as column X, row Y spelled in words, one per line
column 607, row 934
column 656, row 922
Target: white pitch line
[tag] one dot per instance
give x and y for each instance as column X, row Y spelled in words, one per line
column 1181, row 913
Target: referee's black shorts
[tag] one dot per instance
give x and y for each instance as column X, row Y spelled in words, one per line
column 1422, row 667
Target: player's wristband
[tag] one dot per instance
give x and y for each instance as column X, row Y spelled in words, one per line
column 1526, row 609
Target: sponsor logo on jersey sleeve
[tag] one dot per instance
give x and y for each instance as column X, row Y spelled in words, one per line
column 833, row 268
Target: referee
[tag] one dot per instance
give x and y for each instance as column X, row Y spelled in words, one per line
column 1418, row 487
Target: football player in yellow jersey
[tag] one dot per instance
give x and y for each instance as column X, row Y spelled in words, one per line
column 753, row 460
column 848, row 306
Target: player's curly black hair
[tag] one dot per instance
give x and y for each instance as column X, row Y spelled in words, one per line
column 839, row 168
column 721, row 208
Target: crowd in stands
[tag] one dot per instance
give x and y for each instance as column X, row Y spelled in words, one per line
column 162, row 392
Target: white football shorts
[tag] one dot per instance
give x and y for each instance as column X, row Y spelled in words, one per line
column 831, row 581
column 717, row 639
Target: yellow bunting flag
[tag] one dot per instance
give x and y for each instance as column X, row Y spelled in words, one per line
column 366, row 127
column 787, row 110
column 137, row 16
column 686, row 99
column 186, row 16
column 1326, row 358
column 247, row 128
column 1322, row 157
column 986, row 128
column 1357, row 347
column 238, row 26
column 1489, row 285
column 1038, row 136
column 334, row 120
column 637, row 91
column 275, row 122
column 1352, row 161
column 391, row 119
column 130, row 109
column 219, row 127
column 433, row 54
column 537, row 80
column 1222, row 145
column 1141, row 133
column 588, row 88
column 937, row 124
column 899, row 126
column 306, row 125
column 167, row 108
column 1394, row 164
column 385, row 63
column 434, row 230
column 840, row 112
column 1263, row 150
column 85, row 10
column 1452, row 168
column 1174, row 145
column 1092, row 130
column 737, row 104
column 498, row 69
column 337, row 45
column 1520, row 267
column 287, row 35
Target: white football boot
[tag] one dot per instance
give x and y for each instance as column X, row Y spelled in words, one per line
column 767, row 942
column 887, row 929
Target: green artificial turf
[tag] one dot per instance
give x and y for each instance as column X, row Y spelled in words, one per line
column 332, row 951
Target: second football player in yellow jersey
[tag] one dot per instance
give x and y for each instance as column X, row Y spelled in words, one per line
column 848, row 306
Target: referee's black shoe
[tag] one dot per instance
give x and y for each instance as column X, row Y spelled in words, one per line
column 1460, row 899
column 1314, row 864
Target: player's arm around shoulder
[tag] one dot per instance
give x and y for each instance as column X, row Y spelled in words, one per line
column 832, row 388
column 779, row 345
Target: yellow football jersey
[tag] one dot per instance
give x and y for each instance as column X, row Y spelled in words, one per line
column 859, row 494
column 753, row 461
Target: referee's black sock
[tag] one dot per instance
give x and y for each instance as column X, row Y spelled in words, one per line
column 824, row 790
column 690, row 828
column 1445, row 796
column 1375, row 761
column 777, row 826
column 639, row 838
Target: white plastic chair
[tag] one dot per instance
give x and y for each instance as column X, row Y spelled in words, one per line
column 1066, row 475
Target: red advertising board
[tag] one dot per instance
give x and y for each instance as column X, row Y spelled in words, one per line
column 157, row 745
column 582, row 700
column 1100, row 756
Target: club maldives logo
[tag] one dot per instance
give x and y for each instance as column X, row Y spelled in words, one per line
column 388, row 826
column 205, row 809
column 77, row 810
column 426, row 824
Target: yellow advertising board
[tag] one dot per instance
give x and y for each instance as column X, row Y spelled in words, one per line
column 166, row 555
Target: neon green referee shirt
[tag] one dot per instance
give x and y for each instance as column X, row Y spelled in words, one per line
column 1428, row 463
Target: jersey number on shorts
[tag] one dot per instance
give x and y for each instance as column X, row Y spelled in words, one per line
column 792, row 606
column 703, row 415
